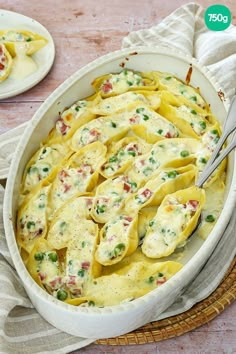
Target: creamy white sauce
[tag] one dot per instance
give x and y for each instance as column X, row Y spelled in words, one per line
column 23, row 65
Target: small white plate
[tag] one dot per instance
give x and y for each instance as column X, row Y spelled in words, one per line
column 44, row 58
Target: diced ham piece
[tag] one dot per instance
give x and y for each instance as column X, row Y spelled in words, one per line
column 56, row 283
column 194, row 204
column 168, row 135
column 161, row 281
column 72, row 280
column 42, row 276
column 127, row 187
column 85, row 265
column 62, row 175
column 67, row 187
column 107, row 87
column 134, row 119
column 63, row 128
column 147, row 193
column 128, row 218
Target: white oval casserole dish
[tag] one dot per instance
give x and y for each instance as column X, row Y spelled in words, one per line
column 113, row 321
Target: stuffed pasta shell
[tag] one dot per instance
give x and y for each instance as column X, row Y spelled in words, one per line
column 182, row 208
column 126, row 80
column 32, row 41
column 5, row 63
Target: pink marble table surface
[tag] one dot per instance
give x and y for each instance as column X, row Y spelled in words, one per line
column 82, row 31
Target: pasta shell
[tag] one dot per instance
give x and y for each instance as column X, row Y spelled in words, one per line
column 32, row 41
column 175, row 219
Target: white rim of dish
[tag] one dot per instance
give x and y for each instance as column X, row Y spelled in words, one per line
column 18, row 91
column 11, row 241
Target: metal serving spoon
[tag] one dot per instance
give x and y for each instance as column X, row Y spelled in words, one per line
column 215, row 160
column 228, row 127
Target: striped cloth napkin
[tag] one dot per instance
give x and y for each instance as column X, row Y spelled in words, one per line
column 22, row 329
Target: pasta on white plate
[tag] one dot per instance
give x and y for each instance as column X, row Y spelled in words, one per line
column 119, row 166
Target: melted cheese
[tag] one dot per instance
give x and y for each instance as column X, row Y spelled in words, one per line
column 114, row 104
column 129, row 283
column 175, row 152
column 62, row 226
column 120, row 155
column 42, row 164
column 212, row 208
column 32, row 218
column 118, row 238
column 23, row 65
column 78, row 175
column 177, row 87
column 162, row 236
column 115, row 84
column 32, row 41
column 110, row 197
column 167, row 181
column 80, row 263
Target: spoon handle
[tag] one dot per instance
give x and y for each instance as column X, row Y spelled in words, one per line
column 211, row 168
column 228, row 127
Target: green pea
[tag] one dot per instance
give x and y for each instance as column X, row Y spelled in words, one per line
column 32, row 170
column 145, row 117
column 139, row 110
column 38, row 256
column 151, row 279
column 168, row 78
column 151, row 159
column 113, row 158
column 62, row 294
column 30, row 224
column 202, row 125
column 81, row 272
column 133, row 185
column 100, row 209
column 132, row 153
column 160, row 131
column 41, row 206
column 147, row 171
column 151, row 223
column 160, row 275
column 129, row 83
column 53, row 256
column 172, row 174
column 184, row 153
column 193, row 98
column 193, row 111
column 203, row 160
column 121, row 152
column 91, row 303
column 113, row 125
column 215, row 132
column 210, row 218
column 117, row 250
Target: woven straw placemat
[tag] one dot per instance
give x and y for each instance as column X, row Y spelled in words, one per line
column 198, row 315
